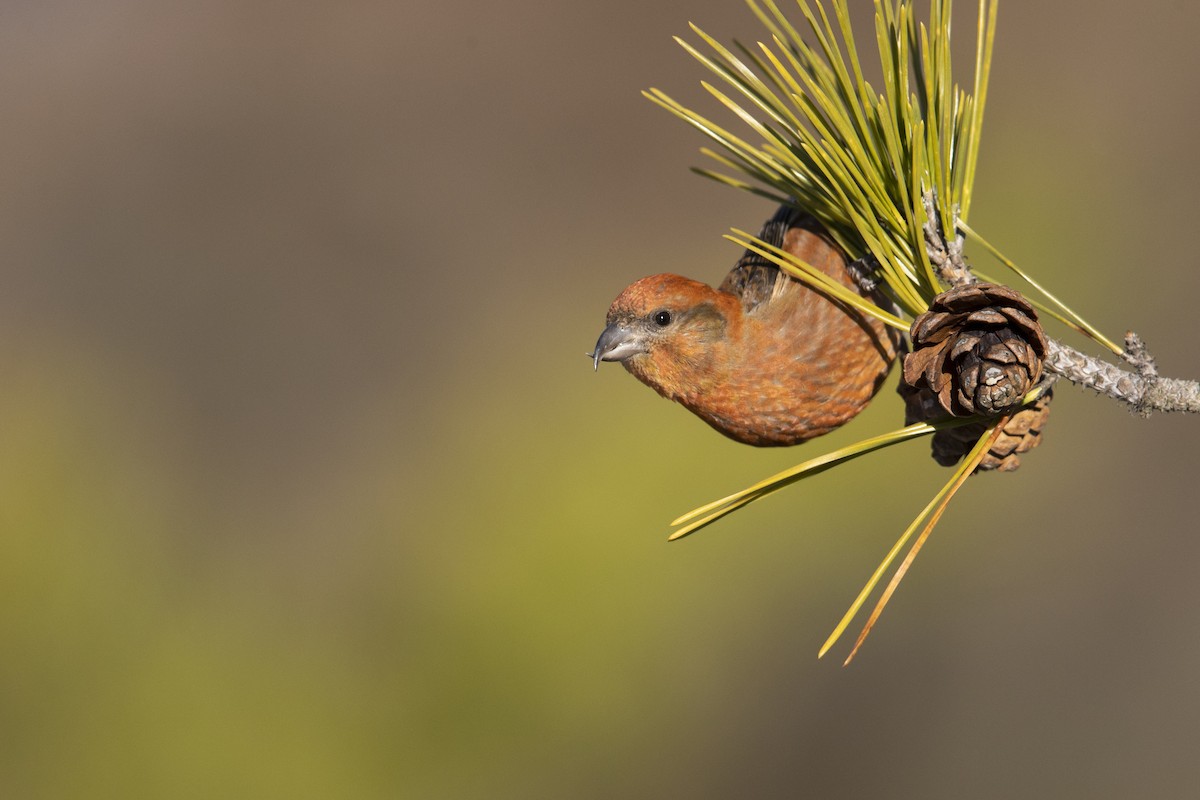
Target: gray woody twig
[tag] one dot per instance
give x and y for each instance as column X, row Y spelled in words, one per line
column 1142, row 389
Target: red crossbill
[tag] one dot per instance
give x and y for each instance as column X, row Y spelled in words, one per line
column 764, row 359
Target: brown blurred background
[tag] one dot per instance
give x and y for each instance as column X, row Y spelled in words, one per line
column 307, row 490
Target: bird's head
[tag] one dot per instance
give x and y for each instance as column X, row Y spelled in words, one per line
column 666, row 329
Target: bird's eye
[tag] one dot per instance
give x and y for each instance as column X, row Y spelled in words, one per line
column 662, row 318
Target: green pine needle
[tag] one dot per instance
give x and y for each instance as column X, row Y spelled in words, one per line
column 931, row 512
column 815, row 278
column 1060, row 311
column 857, row 159
column 709, row 513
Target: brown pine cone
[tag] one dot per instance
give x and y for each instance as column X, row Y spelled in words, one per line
column 978, row 350
column 1020, row 434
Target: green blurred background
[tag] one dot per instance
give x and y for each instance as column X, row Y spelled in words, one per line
column 307, row 490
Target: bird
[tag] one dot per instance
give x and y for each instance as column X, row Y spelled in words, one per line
column 763, row 358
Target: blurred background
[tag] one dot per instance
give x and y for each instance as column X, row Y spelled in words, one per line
column 307, row 489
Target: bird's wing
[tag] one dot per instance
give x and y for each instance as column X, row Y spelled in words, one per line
column 755, row 280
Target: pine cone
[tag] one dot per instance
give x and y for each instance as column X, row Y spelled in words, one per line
column 978, row 350
column 1022, row 433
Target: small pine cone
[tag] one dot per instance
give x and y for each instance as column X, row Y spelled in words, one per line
column 1020, row 434
column 978, row 350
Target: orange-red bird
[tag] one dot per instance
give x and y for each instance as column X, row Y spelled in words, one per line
column 763, row 359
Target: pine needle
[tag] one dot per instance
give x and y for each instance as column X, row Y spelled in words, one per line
column 970, row 463
column 706, row 514
column 939, row 501
column 856, row 159
column 1074, row 320
column 815, row 278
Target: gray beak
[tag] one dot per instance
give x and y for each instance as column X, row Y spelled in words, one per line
column 617, row 343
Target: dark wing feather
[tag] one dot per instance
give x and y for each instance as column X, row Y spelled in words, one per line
column 754, row 279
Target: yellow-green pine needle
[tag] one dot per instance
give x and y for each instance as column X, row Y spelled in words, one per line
column 710, row 512
column 760, row 165
column 815, row 278
column 986, row 38
column 985, row 442
column 960, row 475
column 1083, row 324
column 729, row 180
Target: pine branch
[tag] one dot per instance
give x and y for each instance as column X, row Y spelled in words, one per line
column 1143, row 389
